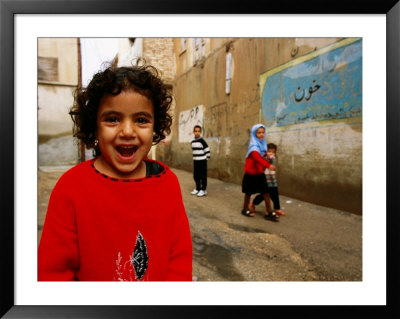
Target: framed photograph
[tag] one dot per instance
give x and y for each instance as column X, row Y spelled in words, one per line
column 22, row 23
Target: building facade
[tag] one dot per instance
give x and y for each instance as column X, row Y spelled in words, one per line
column 308, row 93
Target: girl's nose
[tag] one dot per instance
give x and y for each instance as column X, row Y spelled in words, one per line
column 127, row 129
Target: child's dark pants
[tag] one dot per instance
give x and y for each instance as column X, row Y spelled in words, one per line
column 200, row 174
column 273, row 193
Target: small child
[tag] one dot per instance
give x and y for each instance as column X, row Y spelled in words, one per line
column 271, row 182
column 102, row 222
column 254, row 180
column 201, row 154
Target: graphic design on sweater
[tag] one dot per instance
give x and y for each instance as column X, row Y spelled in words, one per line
column 140, row 258
column 138, row 261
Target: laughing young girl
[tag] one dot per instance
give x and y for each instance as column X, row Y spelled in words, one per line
column 119, row 216
column 254, row 178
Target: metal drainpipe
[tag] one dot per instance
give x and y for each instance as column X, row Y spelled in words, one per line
column 82, row 145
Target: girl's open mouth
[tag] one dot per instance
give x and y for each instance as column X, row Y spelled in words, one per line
column 126, row 151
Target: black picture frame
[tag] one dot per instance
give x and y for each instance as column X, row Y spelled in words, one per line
column 8, row 10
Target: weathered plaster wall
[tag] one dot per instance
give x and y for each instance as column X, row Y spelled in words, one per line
column 322, row 163
column 53, row 107
column 312, row 108
column 318, row 162
column 56, row 145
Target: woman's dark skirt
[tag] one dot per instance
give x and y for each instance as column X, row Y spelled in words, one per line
column 254, row 184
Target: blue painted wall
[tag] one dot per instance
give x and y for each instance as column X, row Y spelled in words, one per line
column 323, row 85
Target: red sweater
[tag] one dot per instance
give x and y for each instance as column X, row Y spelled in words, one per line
column 255, row 164
column 103, row 229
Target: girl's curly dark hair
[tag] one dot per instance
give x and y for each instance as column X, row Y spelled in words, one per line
column 143, row 79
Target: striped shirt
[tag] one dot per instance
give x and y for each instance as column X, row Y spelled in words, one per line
column 200, row 149
column 271, row 175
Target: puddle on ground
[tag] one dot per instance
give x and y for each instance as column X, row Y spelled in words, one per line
column 216, row 256
column 246, row 229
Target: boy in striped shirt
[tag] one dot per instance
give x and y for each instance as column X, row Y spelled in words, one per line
column 201, row 154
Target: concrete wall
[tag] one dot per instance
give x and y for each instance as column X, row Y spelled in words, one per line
column 312, row 107
column 319, row 148
column 54, row 102
column 58, row 78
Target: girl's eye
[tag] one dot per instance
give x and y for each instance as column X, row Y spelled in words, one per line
column 112, row 119
column 142, row 120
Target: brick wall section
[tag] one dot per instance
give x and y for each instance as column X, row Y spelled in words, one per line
column 160, row 53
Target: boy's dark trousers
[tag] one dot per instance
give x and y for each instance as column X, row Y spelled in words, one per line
column 200, row 174
column 273, row 193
